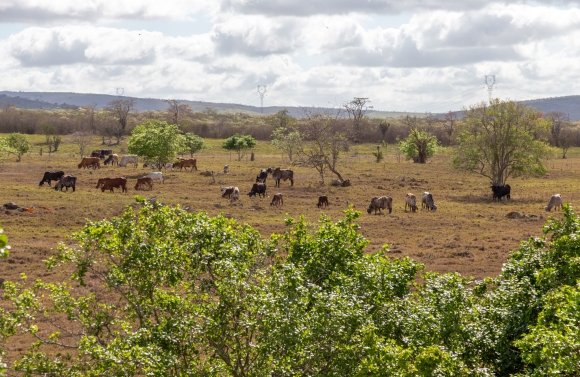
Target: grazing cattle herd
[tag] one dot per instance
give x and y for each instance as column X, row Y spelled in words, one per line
column 233, row 193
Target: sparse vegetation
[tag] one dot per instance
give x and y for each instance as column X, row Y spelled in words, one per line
column 157, row 142
column 240, row 144
column 17, row 144
column 418, row 146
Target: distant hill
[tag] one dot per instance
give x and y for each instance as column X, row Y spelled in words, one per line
column 569, row 105
column 52, row 100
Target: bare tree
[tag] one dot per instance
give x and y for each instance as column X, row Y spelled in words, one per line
column 176, row 109
column 325, row 143
column 90, row 113
column 559, row 121
column 120, row 109
column 565, row 141
column 357, row 109
column 82, row 139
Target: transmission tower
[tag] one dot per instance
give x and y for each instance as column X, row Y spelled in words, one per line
column 262, row 92
column 120, row 91
column 490, row 82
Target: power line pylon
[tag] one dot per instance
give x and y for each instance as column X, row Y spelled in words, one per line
column 490, row 82
column 262, row 92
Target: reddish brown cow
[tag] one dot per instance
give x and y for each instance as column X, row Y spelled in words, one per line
column 322, row 201
column 187, row 163
column 145, row 181
column 112, row 183
column 88, row 161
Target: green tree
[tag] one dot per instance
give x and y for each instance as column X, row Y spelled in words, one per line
column 384, row 128
column 240, row 144
column 18, row 144
column 497, row 140
column 156, row 141
column 193, row 143
column 419, row 146
column 288, row 142
column 48, row 131
column 281, row 120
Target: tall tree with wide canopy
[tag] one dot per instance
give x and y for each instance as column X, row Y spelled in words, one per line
column 156, row 141
column 496, row 140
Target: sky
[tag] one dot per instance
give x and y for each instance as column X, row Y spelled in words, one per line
column 404, row 55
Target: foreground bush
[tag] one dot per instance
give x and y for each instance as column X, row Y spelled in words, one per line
column 162, row 292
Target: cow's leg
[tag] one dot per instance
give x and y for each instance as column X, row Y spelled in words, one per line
column 291, row 182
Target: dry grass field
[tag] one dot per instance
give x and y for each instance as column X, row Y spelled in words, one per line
column 468, row 233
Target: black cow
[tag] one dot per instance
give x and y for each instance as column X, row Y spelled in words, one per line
column 500, row 191
column 51, row 176
column 66, row 181
column 258, row 188
column 104, row 153
column 261, row 178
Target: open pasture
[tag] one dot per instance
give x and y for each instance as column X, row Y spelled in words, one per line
column 468, row 233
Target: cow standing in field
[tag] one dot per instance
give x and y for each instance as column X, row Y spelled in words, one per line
column 155, row 175
column 322, row 201
column 501, row 191
column 66, row 181
column 227, row 192
column 427, row 202
column 236, row 194
column 226, row 169
column 145, row 181
column 261, row 178
column 51, row 176
column 186, row 163
column 277, row 200
column 411, row 201
column 555, row 202
column 384, row 202
column 112, row 159
column 282, row 174
column 111, row 183
column 88, row 161
column 258, row 188
column 129, row 159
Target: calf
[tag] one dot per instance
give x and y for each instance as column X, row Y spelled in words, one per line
column 258, row 188
column 501, row 191
column 51, row 176
column 88, row 161
column 384, row 202
column 227, row 192
column 112, row 159
column 111, row 183
column 145, row 181
column 155, row 175
column 555, row 202
column 277, row 200
column 322, row 201
column 427, row 202
column 66, row 181
column 411, row 201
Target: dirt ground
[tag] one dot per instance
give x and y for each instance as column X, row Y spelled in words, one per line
column 469, row 233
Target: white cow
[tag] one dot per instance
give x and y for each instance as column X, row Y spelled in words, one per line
column 555, row 202
column 427, row 202
column 411, row 202
column 155, row 175
column 236, row 194
column 129, row 159
column 226, row 169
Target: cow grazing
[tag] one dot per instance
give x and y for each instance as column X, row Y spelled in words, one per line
column 236, row 194
column 555, row 202
column 129, row 159
column 112, row 159
column 226, row 169
column 411, row 202
column 427, row 202
column 227, row 192
column 384, row 202
column 105, row 153
column 169, row 166
column 66, row 181
column 101, row 182
column 155, row 175
column 281, row 174
column 277, row 200
column 111, row 183
column 96, row 153
column 51, row 176
column 501, row 191
column 186, row 163
column 261, row 178
column 94, row 166
column 258, row 188
column 145, row 181
column 322, row 201
column 88, row 161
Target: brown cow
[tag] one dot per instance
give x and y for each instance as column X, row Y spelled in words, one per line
column 144, row 181
column 277, row 200
column 227, row 192
column 88, row 161
column 111, row 183
column 281, row 174
column 101, row 182
column 322, row 201
column 187, row 163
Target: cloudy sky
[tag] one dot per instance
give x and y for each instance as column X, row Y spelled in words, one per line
column 405, row 55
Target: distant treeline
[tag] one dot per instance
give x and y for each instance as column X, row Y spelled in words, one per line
column 118, row 120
